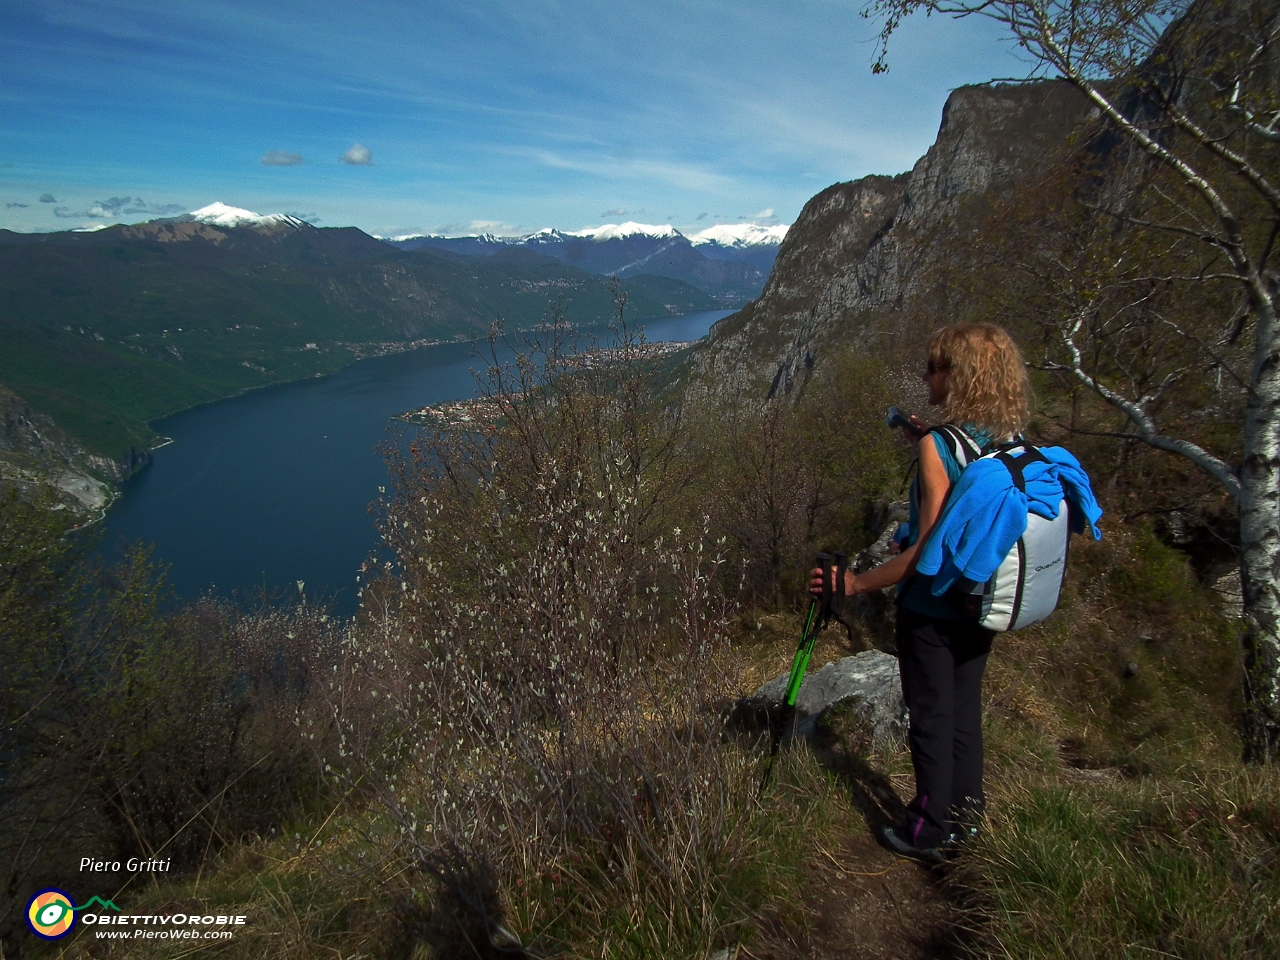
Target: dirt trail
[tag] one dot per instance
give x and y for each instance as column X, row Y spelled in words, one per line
column 864, row 903
column 861, row 901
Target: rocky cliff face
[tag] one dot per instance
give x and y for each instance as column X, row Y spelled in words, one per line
column 35, row 452
column 860, row 251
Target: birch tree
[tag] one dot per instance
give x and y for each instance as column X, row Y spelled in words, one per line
column 1190, row 89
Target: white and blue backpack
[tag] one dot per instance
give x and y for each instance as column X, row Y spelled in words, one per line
column 1026, row 586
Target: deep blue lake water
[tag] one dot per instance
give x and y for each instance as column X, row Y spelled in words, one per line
column 263, row 490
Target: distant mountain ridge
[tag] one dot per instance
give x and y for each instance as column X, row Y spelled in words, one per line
column 730, row 262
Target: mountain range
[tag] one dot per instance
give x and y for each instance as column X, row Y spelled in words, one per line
column 731, row 262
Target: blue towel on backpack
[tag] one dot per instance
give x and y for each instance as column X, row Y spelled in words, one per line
column 986, row 514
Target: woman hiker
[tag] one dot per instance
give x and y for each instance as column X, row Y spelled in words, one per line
column 976, row 375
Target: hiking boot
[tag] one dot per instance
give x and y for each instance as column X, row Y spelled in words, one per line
column 895, row 838
column 959, row 838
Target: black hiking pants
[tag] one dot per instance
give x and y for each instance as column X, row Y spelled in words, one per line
column 941, row 663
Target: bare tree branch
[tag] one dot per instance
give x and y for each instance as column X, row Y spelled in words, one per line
column 1147, row 430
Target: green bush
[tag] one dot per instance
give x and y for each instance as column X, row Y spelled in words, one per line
column 132, row 730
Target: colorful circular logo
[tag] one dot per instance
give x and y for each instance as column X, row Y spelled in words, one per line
column 51, row 914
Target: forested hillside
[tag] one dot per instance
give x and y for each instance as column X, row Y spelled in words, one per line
column 105, row 331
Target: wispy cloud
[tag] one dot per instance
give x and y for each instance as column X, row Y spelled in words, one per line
column 282, row 158
column 12, row 205
column 496, row 227
column 875, row 140
column 358, row 156
column 48, row 198
column 619, row 212
column 115, row 207
column 701, row 216
column 310, row 218
column 685, row 176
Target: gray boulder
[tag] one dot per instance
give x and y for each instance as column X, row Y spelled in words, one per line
column 869, row 681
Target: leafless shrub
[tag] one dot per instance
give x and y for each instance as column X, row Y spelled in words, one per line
column 547, row 671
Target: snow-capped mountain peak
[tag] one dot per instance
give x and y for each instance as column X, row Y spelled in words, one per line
column 739, row 235
column 619, row 231
column 219, row 214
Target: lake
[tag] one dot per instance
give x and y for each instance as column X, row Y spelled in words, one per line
column 271, row 487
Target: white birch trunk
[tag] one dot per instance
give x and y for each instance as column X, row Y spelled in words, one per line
column 1260, row 544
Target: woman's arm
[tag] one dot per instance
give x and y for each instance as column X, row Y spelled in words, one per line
column 934, row 485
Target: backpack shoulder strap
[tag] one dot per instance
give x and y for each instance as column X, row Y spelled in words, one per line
column 1016, row 463
column 962, row 447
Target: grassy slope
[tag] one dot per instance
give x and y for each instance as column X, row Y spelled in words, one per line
column 1121, row 823
column 106, row 332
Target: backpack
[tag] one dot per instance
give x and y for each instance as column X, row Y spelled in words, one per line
column 1026, row 586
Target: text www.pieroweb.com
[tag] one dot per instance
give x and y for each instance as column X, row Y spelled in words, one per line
column 175, row 927
column 165, row 934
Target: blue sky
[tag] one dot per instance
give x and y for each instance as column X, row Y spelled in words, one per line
column 462, row 116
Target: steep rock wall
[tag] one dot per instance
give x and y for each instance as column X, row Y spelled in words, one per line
column 35, row 452
column 860, row 251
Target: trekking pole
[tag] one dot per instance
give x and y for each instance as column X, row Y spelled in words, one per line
column 814, row 621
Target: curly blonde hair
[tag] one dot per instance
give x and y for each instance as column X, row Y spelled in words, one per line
column 988, row 383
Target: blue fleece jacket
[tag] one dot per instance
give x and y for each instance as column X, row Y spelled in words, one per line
column 986, row 514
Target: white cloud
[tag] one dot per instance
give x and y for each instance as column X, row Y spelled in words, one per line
column 283, row 158
column 620, row 212
column 115, row 207
column 764, row 214
column 109, row 208
column 358, row 156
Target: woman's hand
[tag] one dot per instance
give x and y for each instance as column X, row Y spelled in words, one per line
column 850, row 582
column 934, row 485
